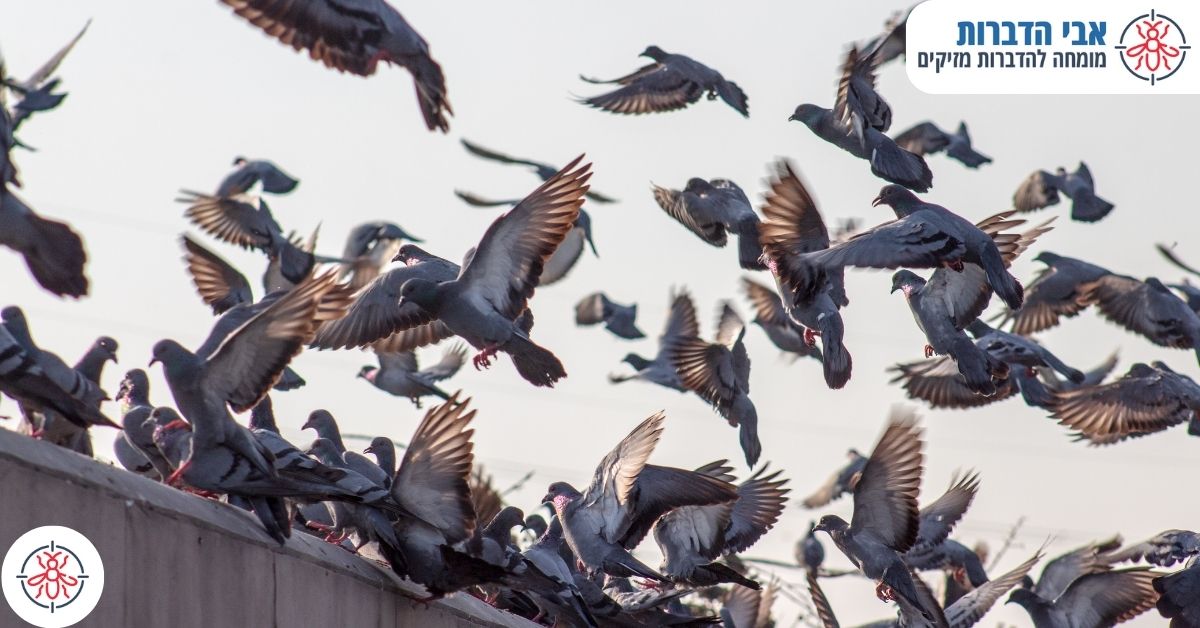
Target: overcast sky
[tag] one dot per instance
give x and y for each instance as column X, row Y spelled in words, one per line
column 163, row 95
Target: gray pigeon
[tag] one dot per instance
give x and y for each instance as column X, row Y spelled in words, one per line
column 770, row 315
column 52, row 427
column 627, row 495
column 137, row 429
column 369, row 248
column 249, row 172
column 26, row 381
column 693, row 537
column 793, row 227
column 809, row 551
column 857, row 123
column 1147, row 308
column 619, row 319
column 354, row 38
column 1092, row 601
column 384, row 451
column 890, row 44
column 681, row 323
column 719, row 373
column 1041, row 189
column 1163, row 549
column 543, row 170
column 550, row 578
column 36, row 93
column 933, row 548
column 1179, row 595
column 926, row 139
column 482, row 305
column 399, row 374
column 53, row 252
column 243, row 367
column 1147, row 399
column 886, row 520
column 840, row 483
column 172, row 436
column 219, row 284
column 672, row 82
column 1054, row 294
column 326, row 427
column 367, row 519
column 711, row 208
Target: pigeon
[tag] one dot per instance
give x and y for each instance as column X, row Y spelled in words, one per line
column 693, row 537
column 249, row 172
column 809, row 551
column 172, row 436
column 368, row 520
column 218, row 283
column 926, row 139
column 886, row 519
column 596, row 308
column 1054, row 294
column 748, row 608
column 1163, row 549
column 486, row 500
column 53, row 251
column 908, row 612
column 384, row 451
column 1041, row 189
column 52, row 427
column 137, row 430
column 8, row 169
column 1179, row 595
column 1147, row 308
column 890, row 44
column 672, row 82
column 544, row 172
column 1019, row 350
column 398, row 374
column 840, row 483
column 793, row 227
column 719, row 373
column 243, row 367
column 483, row 303
column 354, row 38
column 550, row 579
column 1093, row 600
column 857, row 124
column 1147, row 399
column 627, row 495
column 681, row 323
column 33, row 386
column 37, row 92
column 374, row 316
column 369, row 247
column 1060, row 572
column 326, row 427
column 711, row 208
column 933, row 548
column 770, row 315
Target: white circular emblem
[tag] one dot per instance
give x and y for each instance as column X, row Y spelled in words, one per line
column 52, row 577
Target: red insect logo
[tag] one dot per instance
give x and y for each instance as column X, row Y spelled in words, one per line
column 52, row 583
column 1155, row 46
column 1153, row 52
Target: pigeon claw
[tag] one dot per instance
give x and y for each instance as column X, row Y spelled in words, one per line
column 483, row 359
column 176, row 478
column 929, row 351
column 810, row 337
column 885, row 593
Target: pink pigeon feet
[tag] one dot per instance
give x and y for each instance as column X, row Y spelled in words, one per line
column 483, row 359
column 810, row 337
column 176, row 478
column 885, row 593
column 929, row 351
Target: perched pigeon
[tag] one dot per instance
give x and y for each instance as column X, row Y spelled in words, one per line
column 672, row 82
column 1163, row 549
column 809, row 551
column 399, row 375
column 249, row 172
column 137, row 430
column 1041, row 189
column 1091, row 601
column 857, row 123
column 693, row 537
column 840, row 483
column 1147, row 399
column 354, row 38
column 53, row 252
column 1054, row 294
column 1147, row 308
column 711, row 208
column 482, row 305
column 367, row 519
column 543, row 170
column 172, row 436
column 619, row 319
column 384, row 451
column 1179, row 594
column 326, row 427
column 27, row 381
column 926, row 139
column 885, row 521
column 54, row 428
column 681, row 323
column 719, row 373
column 770, row 315
column 549, row 577
column 793, row 227
column 369, row 248
column 626, row 497
column 37, row 92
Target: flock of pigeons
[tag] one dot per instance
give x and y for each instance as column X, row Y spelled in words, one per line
column 432, row 515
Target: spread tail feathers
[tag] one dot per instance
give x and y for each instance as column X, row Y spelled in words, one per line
column 537, row 365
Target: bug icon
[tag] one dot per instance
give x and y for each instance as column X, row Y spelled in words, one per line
column 1153, row 47
column 1152, row 52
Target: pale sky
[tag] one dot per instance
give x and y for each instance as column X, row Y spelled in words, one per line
column 163, row 95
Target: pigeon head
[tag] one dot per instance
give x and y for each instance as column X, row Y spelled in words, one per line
column 392, row 231
column 321, row 421
column 895, row 196
column 410, row 254
column 1047, row 258
column 380, row 444
column 908, row 281
column 12, row 314
column 1025, row 597
column 808, row 113
column 854, row 454
column 135, row 387
column 322, row 449
column 107, row 347
column 654, row 52
column 508, row 518
column 636, row 361
column 698, row 186
column 537, row 524
column 167, row 419
column 559, row 495
column 239, row 160
column 833, row 524
column 367, row 372
column 173, row 356
column 420, row 291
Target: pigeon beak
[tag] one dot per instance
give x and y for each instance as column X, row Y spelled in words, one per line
column 153, row 361
column 369, row 450
column 792, row 118
column 894, row 289
column 548, row 498
column 876, row 201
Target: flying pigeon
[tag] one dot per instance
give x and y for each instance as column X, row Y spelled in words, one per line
column 770, row 315
column 483, row 303
column 857, row 124
column 1147, row 399
column 249, row 172
column 793, row 227
column 933, row 548
column 711, row 208
column 1179, row 594
column 369, row 248
column 886, row 519
column 354, row 38
column 543, row 170
column 890, row 44
column 926, row 139
column 1163, row 549
column 53, row 252
column 1041, row 189
column 672, row 82
column 840, row 483
column 399, row 375
column 36, row 93
column 1056, row 293
column 1147, row 308
column 1094, row 600
column 681, row 323
column 719, row 373
column 619, row 319
column 626, row 497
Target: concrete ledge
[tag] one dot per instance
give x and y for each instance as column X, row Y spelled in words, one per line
column 173, row 559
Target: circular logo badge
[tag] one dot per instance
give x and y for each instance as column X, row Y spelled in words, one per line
column 1153, row 47
column 52, row 577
